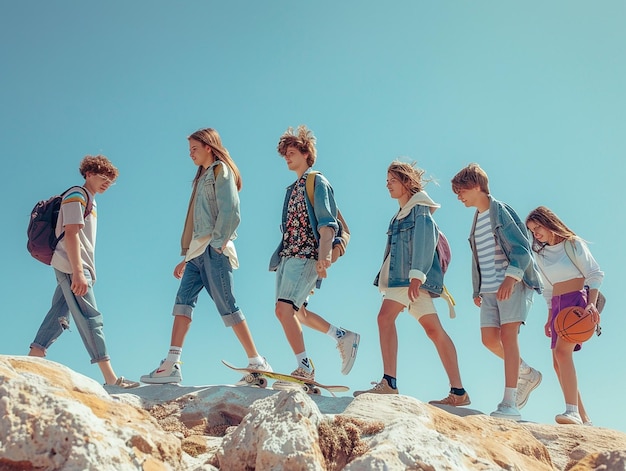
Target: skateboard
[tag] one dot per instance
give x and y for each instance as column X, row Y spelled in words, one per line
column 259, row 378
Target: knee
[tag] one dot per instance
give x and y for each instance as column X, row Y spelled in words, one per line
column 491, row 341
column 283, row 311
column 561, row 355
column 385, row 320
column 434, row 333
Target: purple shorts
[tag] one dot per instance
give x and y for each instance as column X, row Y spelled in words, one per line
column 574, row 298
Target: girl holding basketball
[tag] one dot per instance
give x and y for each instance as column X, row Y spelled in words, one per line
column 572, row 277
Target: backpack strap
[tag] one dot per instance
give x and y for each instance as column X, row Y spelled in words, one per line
column 88, row 208
column 310, row 186
column 343, row 235
column 89, row 205
column 569, row 251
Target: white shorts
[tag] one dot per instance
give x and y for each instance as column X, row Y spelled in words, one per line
column 420, row 307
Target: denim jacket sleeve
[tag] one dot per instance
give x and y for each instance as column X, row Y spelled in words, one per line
column 228, row 215
column 513, row 239
column 424, row 244
column 325, row 207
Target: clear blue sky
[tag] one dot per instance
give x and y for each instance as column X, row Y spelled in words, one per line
column 532, row 91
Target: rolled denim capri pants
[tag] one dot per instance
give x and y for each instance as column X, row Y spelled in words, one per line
column 88, row 319
column 212, row 271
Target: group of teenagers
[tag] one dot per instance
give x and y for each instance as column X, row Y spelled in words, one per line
column 511, row 260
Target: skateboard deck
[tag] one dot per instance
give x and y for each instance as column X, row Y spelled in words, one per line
column 258, row 378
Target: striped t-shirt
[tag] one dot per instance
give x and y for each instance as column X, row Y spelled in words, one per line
column 491, row 258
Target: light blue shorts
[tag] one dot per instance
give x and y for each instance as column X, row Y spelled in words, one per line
column 494, row 313
column 295, row 280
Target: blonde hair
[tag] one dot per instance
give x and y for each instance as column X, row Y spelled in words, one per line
column 409, row 175
column 303, row 140
column 546, row 218
column 98, row 164
column 470, row 177
column 210, row 137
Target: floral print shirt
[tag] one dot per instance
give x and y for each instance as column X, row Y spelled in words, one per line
column 298, row 238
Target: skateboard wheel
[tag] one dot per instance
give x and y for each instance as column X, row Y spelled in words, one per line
column 250, row 379
column 316, row 391
column 262, row 383
column 306, row 389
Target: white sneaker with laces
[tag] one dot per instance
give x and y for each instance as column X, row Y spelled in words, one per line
column 569, row 417
column 507, row 411
column 348, row 346
column 168, row 374
column 265, row 366
column 526, row 383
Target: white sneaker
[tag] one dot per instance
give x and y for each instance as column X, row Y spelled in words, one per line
column 300, row 373
column 569, row 417
column 348, row 346
column 507, row 411
column 168, row 375
column 265, row 366
column 526, row 383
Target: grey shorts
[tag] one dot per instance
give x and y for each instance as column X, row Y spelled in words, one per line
column 494, row 313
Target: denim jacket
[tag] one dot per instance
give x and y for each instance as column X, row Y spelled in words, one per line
column 411, row 246
column 216, row 205
column 323, row 215
column 512, row 236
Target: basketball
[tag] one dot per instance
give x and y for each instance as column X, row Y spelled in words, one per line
column 574, row 324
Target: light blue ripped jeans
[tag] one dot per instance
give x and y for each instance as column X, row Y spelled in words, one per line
column 85, row 313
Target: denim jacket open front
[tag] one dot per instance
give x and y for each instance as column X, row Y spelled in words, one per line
column 411, row 245
column 512, row 236
column 323, row 215
column 216, row 207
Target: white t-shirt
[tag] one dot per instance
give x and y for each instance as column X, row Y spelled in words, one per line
column 72, row 210
column 199, row 245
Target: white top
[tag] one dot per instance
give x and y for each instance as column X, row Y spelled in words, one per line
column 556, row 265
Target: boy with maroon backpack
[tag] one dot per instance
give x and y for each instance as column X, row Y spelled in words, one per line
column 74, row 267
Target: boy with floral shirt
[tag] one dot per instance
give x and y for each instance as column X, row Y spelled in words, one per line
column 305, row 253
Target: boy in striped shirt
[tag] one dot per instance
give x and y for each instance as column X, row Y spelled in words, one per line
column 504, row 276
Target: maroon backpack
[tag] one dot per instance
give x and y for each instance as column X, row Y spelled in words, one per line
column 42, row 240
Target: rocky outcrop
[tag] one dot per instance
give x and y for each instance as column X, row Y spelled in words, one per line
column 52, row 418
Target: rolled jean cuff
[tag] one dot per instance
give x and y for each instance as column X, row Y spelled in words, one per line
column 233, row 319
column 99, row 360
column 183, row 310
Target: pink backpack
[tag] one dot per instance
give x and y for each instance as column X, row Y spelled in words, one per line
column 444, row 252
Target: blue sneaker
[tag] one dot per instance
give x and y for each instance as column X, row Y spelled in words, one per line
column 507, row 411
